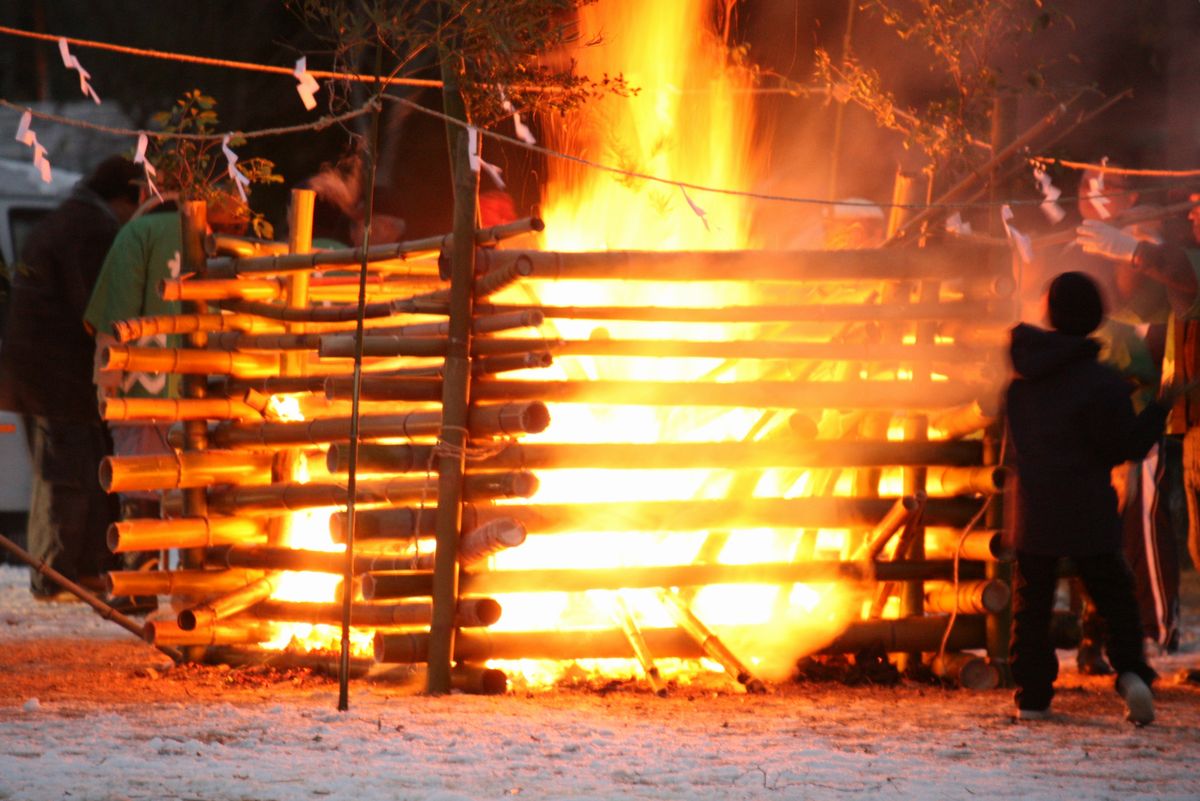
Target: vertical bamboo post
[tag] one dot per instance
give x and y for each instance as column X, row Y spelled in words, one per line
column 456, row 388
column 300, row 228
column 193, row 217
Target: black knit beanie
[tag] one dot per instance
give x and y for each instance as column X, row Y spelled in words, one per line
column 115, row 177
column 1075, row 304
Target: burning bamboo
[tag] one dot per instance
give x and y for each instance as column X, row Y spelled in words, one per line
column 897, row 516
column 147, row 534
column 172, row 409
column 478, row 543
column 471, row 613
column 477, row 679
column 710, row 643
column 407, row 584
column 190, row 469
column 637, row 642
column 404, row 458
column 482, row 421
column 943, row 261
column 188, row 361
column 129, row 330
column 967, row 597
column 279, row 558
column 169, row 632
column 320, row 314
column 980, row 544
column 242, row 246
column 218, row 289
column 966, row 480
column 965, row 420
column 207, row 614
column 235, row 500
column 968, row 670
column 178, row 582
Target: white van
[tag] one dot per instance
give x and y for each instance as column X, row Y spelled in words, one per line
column 24, row 199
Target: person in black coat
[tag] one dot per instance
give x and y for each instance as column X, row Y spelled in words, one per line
column 46, row 374
column 1071, row 420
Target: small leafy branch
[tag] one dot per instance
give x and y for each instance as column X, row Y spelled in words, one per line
column 195, row 167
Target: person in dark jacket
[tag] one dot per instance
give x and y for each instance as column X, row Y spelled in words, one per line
column 46, row 374
column 1071, row 421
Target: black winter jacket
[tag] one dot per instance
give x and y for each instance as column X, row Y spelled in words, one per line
column 1071, row 420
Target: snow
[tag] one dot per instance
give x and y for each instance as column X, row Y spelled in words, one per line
column 813, row 742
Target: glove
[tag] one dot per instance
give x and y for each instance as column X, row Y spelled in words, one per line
column 1105, row 240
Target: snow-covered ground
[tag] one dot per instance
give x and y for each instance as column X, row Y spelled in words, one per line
column 810, row 741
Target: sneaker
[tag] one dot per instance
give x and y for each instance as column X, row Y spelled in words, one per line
column 1033, row 714
column 1138, row 700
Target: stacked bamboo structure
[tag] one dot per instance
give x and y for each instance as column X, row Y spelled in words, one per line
column 822, row 395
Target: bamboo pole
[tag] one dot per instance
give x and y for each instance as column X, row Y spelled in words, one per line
column 692, row 515
column 178, row 582
column 897, row 517
column 637, row 643
column 194, row 225
column 129, row 330
column 710, row 643
column 298, row 559
column 910, row 634
column 408, row 583
column 187, row 361
column 745, row 265
column 984, row 545
column 966, row 420
column 483, row 421
column 218, row 289
column 184, row 532
column 471, row 613
column 162, row 633
column 208, row 613
column 242, row 246
column 477, row 679
column 404, row 458
column 320, row 314
column 988, row 596
column 235, row 500
column 966, row 480
column 184, row 470
column 173, row 409
column 970, row 671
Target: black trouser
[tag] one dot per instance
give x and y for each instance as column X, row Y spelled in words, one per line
column 69, row 513
column 1109, row 582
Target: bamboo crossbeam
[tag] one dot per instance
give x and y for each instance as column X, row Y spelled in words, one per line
column 231, row 267
column 965, row 420
column 186, row 532
column 471, row 613
column 313, row 314
column 403, row 458
column 207, row 614
column 479, row 543
column 969, row 312
column 981, row 544
column 188, row 361
column 747, row 394
column 243, row 246
column 209, row 289
column 129, row 330
column 909, row 634
column 941, row 261
column 481, row 324
column 178, row 582
column 709, row 642
column 279, row 558
column 235, row 340
column 173, row 409
column 966, row 480
column 409, row 583
column 483, row 421
column 968, row 597
column 235, row 500
column 662, row 516
column 184, row 469
column 169, row 632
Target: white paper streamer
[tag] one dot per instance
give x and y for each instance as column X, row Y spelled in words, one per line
column 1020, row 241
column 308, row 85
column 523, row 133
column 140, row 158
column 1095, row 195
column 478, row 163
column 72, row 63
column 703, row 215
column 956, row 225
column 27, row 137
column 1054, row 212
column 239, row 180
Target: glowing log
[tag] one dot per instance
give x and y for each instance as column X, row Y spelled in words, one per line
column 184, row 469
column 970, row 671
column 129, row 330
column 208, row 613
column 294, row 496
column 965, row 420
column 976, row 480
column 710, row 643
column 188, row 361
column 482, row 421
column 942, row 261
column 191, row 289
column 403, row 458
column 994, row 318
column 909, row 634
column 968, row 597
column 172, row 409
column 981, row 544
column 409, row 584
column 230, row 267
column 747, row 394
column 698, row 515
column 169, row 632
column 185, row 532
column 178, row 582
column 471, row 613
